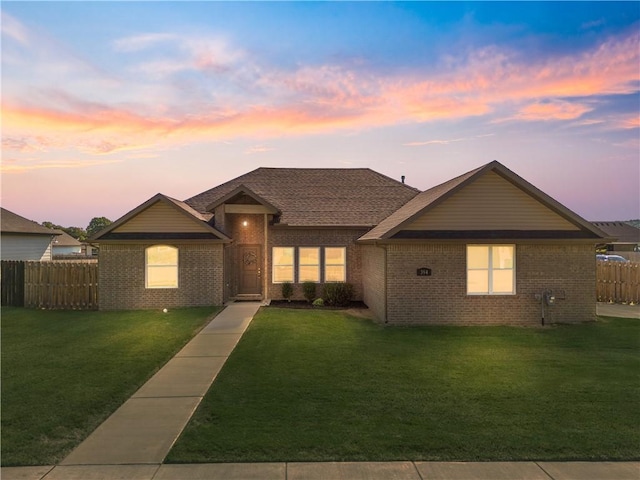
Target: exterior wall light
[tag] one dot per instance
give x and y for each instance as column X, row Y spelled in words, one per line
column 245, row 223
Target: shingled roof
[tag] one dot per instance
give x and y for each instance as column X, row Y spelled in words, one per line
column 621, row 231
column 14, row 223
column 317, row 196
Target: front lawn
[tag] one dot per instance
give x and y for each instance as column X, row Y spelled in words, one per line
column 63, row 373
column 321, row 386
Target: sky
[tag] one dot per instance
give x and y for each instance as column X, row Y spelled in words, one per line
column 105, row 104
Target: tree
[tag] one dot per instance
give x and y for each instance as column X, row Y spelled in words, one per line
column 51, row 225
column 76, row 232
column 96, row 224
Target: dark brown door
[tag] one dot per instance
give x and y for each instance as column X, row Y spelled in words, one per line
column 250, row 270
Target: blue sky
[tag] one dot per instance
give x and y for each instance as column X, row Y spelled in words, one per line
column 107, row 103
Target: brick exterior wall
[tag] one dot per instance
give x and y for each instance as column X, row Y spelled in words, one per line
column 567, row 270
column 122, row 277
column 374, row 284
column 306, row 237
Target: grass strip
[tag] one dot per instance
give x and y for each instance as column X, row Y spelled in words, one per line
column 65, row 372
column 305, row 385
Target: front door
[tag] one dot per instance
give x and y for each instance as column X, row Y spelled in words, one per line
column 250, row 270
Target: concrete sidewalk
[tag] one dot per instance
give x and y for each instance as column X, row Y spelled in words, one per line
column 337, row 471
column 145, row 427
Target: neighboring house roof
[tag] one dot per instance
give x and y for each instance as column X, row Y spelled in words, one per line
column 315, row 196
column 66, row 240
column 435, row 196
column 622, row 232
column 119, row 230
column 14, row 223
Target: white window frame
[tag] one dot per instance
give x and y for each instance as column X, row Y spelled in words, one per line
column 292, row 264
column 302, row 279
column 343, row 265
column 148, row 267
column 490, row 269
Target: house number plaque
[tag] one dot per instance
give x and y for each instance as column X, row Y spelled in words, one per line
column 424, row 272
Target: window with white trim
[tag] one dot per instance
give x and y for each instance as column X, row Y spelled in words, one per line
column 282, row 261
column 491, row 270
column 161, row 267
column 308, row 264
column 335, row 264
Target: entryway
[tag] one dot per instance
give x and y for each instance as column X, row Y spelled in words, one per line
column 250, row 270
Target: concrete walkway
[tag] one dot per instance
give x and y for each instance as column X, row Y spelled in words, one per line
column 337, row 471
column 133, row 442
column 144, row 428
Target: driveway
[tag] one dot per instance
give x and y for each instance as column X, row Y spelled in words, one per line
column 618, row 310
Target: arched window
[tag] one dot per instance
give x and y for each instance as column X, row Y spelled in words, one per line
column 161, row 262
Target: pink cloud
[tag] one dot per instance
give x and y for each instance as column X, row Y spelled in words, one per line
column 323, row 98
column 554, row 110
column 12, row 165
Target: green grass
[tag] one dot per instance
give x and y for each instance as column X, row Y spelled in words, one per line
column 323, row 386
column 63, row 373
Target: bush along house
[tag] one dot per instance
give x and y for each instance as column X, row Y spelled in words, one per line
column 486, row 247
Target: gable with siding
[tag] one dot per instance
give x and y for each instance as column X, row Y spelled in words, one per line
column 491, row 203
column 160, row 217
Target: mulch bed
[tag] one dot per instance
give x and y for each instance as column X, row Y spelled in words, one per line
column 307, row 305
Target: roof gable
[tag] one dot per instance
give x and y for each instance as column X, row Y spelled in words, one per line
column 316, row 196
column 160, row 217
column 489, row 201
column 66, row 240
column 243, row 195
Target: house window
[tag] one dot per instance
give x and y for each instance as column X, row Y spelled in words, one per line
column 335, row 264
column 282, row 264
column 491, row 270
column 161, row 263
column 308, row 264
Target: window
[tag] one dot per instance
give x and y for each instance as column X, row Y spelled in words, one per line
column 335, row 264
column 282, row 264
column 491, row 269
column 161, row 267
column 308, row 264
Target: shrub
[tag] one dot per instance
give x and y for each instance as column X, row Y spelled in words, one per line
column 318, row 302
column 309, row 290
column 338, row 294
column 287, row 290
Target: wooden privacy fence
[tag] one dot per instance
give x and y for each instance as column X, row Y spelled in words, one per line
column 618, row 282
column 51, row 285
column 12, row 283
column 64, row 285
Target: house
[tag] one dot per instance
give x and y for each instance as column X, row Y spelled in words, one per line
column 626, row 238
column 22, row 239
column 66, row 245
column 486, row 247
